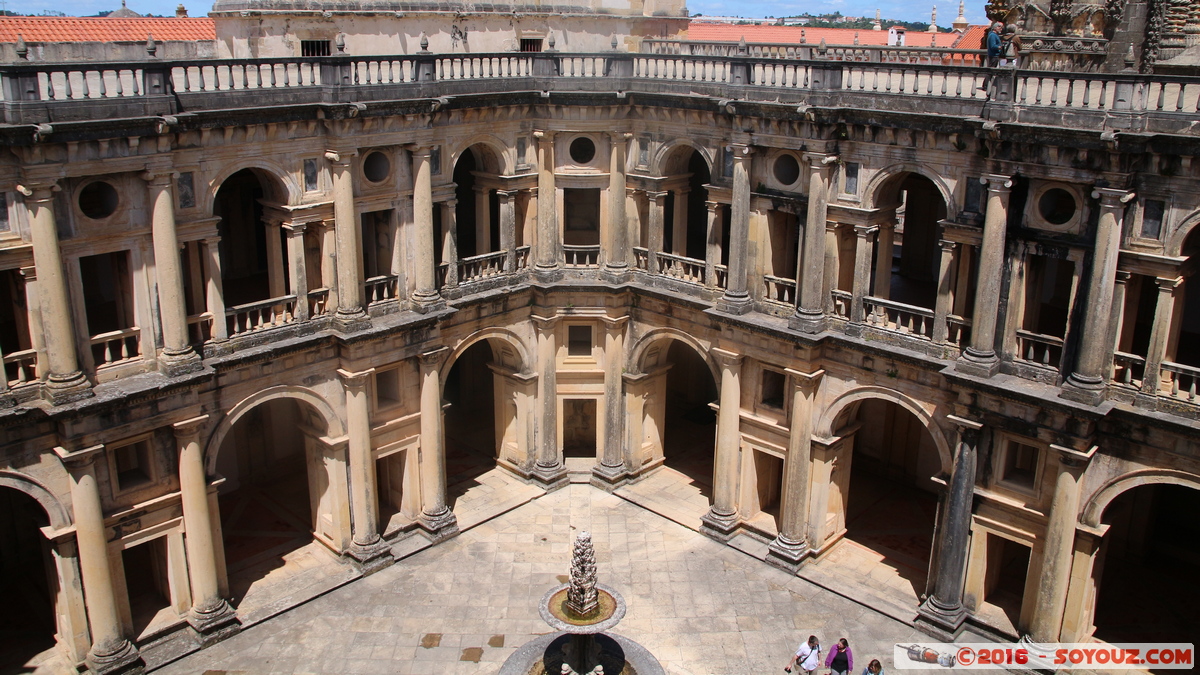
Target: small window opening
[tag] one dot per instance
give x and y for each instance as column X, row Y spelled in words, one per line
column 531, row 44
column 387, row 388
column 315, row 48
column 1020, row 464
column 772, row 389
column 579, row 341
column 133, row 464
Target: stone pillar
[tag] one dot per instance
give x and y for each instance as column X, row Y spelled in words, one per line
column 810, row 311
column 712, row 240
column 657, row 210
column 549, row 243
column 980, row 357
column 1087, row 383
column 425, row 295
column 33, row 305
column 944, row 611
column 366, row 548
column 508, row 228
column 885, row 247
column 679, row 221
column 616, row 258
column 864, row 245
column 1164, row 310
column 276, row 286
column 1117, row 320
column 211, row 617
column 549, row 470
column 297, row 268
column 214, row 288
column 1060, row 543
column 790, row 547
column 349, row 245
column 178, row 357
column 65, row 381
column 831, row 266
column 450, row 240
column 329, row 265
column 941, row 308
column 611, row 470
column 483, row 221
column 436, row 518
column 721, row 519
column 737, row 299
column 111, row 652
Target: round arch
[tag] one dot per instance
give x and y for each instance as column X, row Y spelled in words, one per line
column 59, row 517
column 333, row 424
column 669, row 153
column 1177, row 238
column 824, row 426
column 637, row 355
column 494, row 160
column 278, row 184
column 502, row 334
column 890, row 177
column 1093, row 511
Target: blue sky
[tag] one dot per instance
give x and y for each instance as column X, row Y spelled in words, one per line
column 906, row 10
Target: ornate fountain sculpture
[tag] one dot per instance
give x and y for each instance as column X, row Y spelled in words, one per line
column 582, row 598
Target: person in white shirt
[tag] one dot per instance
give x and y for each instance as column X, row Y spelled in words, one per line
column 808, row 657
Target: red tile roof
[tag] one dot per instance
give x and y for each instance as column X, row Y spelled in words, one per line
column 724, row 32
column 79, row 29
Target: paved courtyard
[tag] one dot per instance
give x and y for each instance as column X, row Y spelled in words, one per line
column 467, row 604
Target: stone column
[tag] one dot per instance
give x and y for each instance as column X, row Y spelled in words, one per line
column 425, row 295
column 211, row 617
column 276, row 286
column 329, row 265
column 885, row 246
column 864, row 245
column 679, row 221
column 366, row 548
column 657, row 209
column 549, row 243
column 33, row 309
column 1087, row 383
column 450, row 240
column 616, row 258
column 980, row 357
column 941, row 308
column 721, row 519
column 1117, row 320
column 737, row 299
column 436, row 518
column 297, row 268
column 810, row 314
column 349, row 244
column 1164, row 310
column 178, row 357
column 214, row 288
column 65, row 381
column 790, row 547
column 1060, row 544
column 549, row 470
column 712, row 240
column 832, row 264
column 111, row 651
column 611, row 470
column 944, row 611
column 508, row 228
column 483, row 221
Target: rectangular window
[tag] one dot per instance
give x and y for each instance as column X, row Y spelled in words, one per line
column 579, row 340
column 187, row 190
column 1020, row 465
column 772, row 389
column 310, row 175
column 387, row 388
column 531, row 44
column 643, row 152
column 522, row 146
column 974, row 197
column 132, row 464
column 850, row 185
column 315, row 48
column 1152, row 218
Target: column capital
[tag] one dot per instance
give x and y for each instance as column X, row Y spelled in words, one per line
column 544, row 135
column 418, row 150
column 29, row 273
column 75, row 460
column 965, row 424
column 295, row 228
column 39, row 191
column 1123, row 276
column 947, row 244
column 545, row 323
column 712, row 206
column 805, row 382
column 865, row 231
column 1168, row 285
column 159, row 177
column 1074, row 459
column 507, row 194
column 726, row 359
column 657, row 195
column 211, row 240
column 355, row 380
column 615, row 323
column 451, row 203
column 822, row 160
column 340, row 158
column 431, row 360
column 1112, row 198
column 996, row 182
column 189, row 428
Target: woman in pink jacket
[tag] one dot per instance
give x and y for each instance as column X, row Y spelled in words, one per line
column 840, row 659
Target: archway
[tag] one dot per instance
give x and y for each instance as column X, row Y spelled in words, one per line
column 477, row 212
column 907, row 271
column 253, row 267
column 28, row 583
column 685, row 216
column 1184, row 344
column 1148, row 564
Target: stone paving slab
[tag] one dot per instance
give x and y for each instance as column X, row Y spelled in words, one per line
column 465, row 605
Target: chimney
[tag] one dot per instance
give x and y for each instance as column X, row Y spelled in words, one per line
column 181, row 12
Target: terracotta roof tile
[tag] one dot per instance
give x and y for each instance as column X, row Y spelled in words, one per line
column 723, row 32
column 91, row 29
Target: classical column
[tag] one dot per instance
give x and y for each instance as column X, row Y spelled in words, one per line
column 1087, row 383
column 549, row 469
column 508, row 228
column 214, row 288
column 712, row 241
column 436, row 518
column 425, row 295
column 211, row 616
column 810, row 311
column 790, row 547
column 885, row 245
column 679, row 221
column 178, row 357
column 721, row 519
column 483, row 221
column 616, row 258
column 864, row 243
column 549, row 243
column 65, row 381
column 276, row 286
column 941, row 308
column 737, row 299
column 1060, row 544
column 944, row 610
column 1164, row 310
column 328, row 233
column 450, row 240
column 980, row 357
column 366, row 548
column 831, row 265
column 349, row 244
column 657, row 209
column 611, row 469
column 297, row 268
column 110, row 651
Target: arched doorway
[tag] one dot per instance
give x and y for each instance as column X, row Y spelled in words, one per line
column 1183, row 346
column 28, row 583
column 477, row 214
column 1148, row 565
column 906, row 268
column 253, row 266
column 685, row 215
column 690, row 425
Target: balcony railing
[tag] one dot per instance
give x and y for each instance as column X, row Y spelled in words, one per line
column 958, row 330
column 779, row 290
column 841, row 303
column 1128, row 369
column 1041, row 350
column 20, row 368
column 522, row 257
column 681, row 267
column 1181, row 381
column 115, row 347
column 899, row 317
column 200, row 328
column 318, row 302
column 379, row 289
column 641, row 258
column 581, row 256
column 255, row 316
column 481, row 266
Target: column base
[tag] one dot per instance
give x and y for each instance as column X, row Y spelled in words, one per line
column 175, row 363
column 944, row 623
column 547, row 275
column 212, row 625
column 1083, row 389
column 550, row 478
column 854, row 328
column 426, row 303
column 609, row 478
column 615, row 274
column 60, row 389
column 372, row 557
column 979, row 364
column 718, row 526
column 786, row 554
column 351, row 321
column 121, row 658
column 439, row 526
column 735, row 304
column 807, row 321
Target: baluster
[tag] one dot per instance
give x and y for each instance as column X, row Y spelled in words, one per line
column 103, row 89
column 1054, row 91
column 945, row 82
column 929, row 84
column 67, row 92
column 1070, row 92
column 1182, row 96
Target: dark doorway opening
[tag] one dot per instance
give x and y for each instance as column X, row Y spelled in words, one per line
column 690, row 430
column 470, row 423
column 28, row 584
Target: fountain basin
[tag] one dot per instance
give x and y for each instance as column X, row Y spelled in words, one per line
column 554, row 611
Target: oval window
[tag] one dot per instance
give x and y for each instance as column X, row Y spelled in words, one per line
column 1057, row 206
column 98, row 200
column 787, row 170
column 583, row 150
column 376, row 167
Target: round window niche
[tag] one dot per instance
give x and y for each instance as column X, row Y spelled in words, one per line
column 376, row 167
column 98, row 200
column 1057, row 206
column 786, row 169
column 583, row 150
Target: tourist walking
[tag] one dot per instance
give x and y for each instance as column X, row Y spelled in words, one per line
column 841, row 659
column 1010, row 46
column 873, row 668
column 993, row 44
column 807, row 657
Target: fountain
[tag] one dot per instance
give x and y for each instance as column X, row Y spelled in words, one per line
column 580, row 611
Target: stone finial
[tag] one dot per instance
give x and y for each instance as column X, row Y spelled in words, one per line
column 151, row 45
column 22, row 48
column 581, row 595
column 803, row 37
column 340, row 43
column 823, row 48
column 878, row 23
column 181, row 12
column 856, row 37
column 550, row 40
column 424, row 43
column 614, row 42
column 742, row 49
column 933, row 20
column 960, row 22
